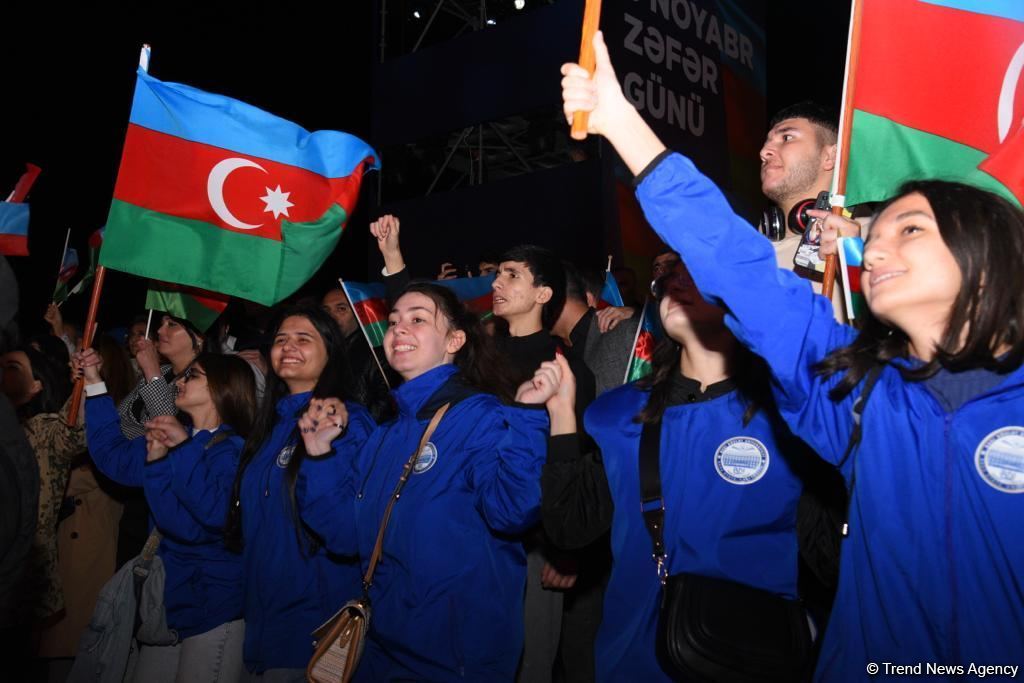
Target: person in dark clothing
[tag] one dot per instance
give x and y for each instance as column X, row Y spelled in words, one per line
column 369, row 386
column 19, row 494
column 529, row 293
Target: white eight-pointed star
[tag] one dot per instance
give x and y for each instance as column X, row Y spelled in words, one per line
column 277, row 202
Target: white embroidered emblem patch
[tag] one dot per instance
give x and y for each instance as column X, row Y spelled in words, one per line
column 285, row 456
column 741, row 460
column 1000, row 459
column 426, row 459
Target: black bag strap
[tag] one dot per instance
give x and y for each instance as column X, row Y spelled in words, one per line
column 652, row 504
column 858, row 429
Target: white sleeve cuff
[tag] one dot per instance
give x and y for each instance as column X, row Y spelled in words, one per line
column 97, row 389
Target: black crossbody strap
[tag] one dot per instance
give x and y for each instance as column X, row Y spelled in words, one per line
column 858, row 429
column 652, row 504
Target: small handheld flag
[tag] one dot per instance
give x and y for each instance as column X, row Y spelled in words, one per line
column 13, row 229
column 851, row 260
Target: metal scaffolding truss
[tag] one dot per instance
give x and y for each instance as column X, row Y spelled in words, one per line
column 483, row 152
column 408, row 25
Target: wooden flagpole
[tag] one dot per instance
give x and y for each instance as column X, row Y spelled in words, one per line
column 846, row 129
column 591, row 19
column 90, row 332
column 365, row 335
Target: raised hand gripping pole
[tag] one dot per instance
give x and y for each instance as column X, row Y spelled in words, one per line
column 591, row 19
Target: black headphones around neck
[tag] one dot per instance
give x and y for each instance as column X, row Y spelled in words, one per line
column 774, row 222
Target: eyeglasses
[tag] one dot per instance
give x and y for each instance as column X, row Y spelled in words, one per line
column 191, row 372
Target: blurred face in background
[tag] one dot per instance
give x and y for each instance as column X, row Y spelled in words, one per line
column 16, row 380
column 136, row 333
column 338, row 307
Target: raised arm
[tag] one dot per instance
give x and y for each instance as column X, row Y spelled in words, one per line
column 772, row 311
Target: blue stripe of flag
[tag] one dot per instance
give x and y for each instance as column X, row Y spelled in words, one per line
column 468, row 288
column 210, row 119
column 14, row 218
column 610, row 292
column 853, row 250
column 1007, row 9
column 361, row 291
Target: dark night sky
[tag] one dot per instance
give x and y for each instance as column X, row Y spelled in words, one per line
column 69, row 75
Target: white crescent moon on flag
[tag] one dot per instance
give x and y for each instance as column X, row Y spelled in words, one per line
column 215, row 190
column 1009, row 93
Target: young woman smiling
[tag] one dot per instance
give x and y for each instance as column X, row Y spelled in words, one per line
column 933, row 567
column 448, row 592
column 186, row 473
column 291, row 583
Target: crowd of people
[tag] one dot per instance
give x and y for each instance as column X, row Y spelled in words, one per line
column 222, row 491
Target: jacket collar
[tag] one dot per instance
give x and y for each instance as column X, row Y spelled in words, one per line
column 684, row 390
column 412, row 395
column 289, row 405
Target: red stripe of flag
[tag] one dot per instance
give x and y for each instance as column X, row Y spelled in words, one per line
column 934, row 68
column 854, row 273
column 371, row 311
column 167, row 174
column 480, row 305
column 14, row 245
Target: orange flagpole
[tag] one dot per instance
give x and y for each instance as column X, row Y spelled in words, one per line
column 90, row 332
column 829, row 277
column 591, row 19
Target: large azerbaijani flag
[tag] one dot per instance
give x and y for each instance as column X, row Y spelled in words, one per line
column 217, row 194
column 938, row 93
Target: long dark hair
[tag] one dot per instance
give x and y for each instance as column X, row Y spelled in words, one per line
column 117, row 371
column 478, row 361
column 332, row 383
column 55, row 380
column 985, row 234
column 232, row 389
column 749, row 373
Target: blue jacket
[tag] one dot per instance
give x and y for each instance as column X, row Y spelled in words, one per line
column 188, row 493
column 448, row 593
column 933, row 568
column 289, row 592
column 721, row 520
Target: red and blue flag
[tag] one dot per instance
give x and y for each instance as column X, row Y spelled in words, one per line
column 13, row 229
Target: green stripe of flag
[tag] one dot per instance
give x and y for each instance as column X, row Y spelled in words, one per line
column 885, row 154
column 181, row 305
column 202, row 255
column 375, row 331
